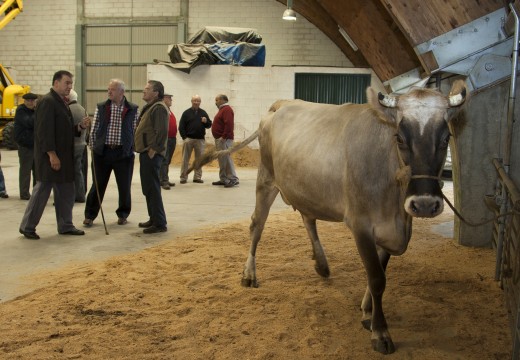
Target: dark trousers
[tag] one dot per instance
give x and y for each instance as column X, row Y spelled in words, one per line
column 165, row 166
column 26, row 158
column 151, row 186
column 102, row 167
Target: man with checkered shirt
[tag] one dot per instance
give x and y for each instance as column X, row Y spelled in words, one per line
column 112, row 143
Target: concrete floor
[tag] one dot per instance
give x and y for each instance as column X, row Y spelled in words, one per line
column 189, row 207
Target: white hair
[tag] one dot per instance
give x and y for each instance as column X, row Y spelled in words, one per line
column 73, row 96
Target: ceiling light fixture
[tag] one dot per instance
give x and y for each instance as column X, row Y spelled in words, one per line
column 289, row 13
column 347, row 38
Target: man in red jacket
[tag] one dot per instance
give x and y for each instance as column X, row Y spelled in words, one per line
column 170, row 148
column 222, row 130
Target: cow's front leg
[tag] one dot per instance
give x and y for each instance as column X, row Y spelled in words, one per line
column 366, row 303
column 381, row 340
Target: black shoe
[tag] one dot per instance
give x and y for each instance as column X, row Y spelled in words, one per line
column 88, row 222
column 146, row 224
column 4, row 195
column 154, row 229
column 165, row 186
column 231, row 184
column 122, row 221
column 218, row 183
column 171, row 184
column 73, row 232
column 25, row 197
column 31, row 235
column 198, row 181
column 183, row 181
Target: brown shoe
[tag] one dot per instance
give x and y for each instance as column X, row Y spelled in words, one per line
column 121, row 221
column 154, row 229
column 88, row 222
column 145, row 224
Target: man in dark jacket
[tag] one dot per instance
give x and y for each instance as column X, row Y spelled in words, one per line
column 54, row 133
column 192, row 127
column 112, row 143
column 24, row 137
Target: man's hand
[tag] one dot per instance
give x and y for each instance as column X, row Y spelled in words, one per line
column 54, row 160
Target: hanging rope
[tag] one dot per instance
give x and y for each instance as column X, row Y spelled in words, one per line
column 470, row 223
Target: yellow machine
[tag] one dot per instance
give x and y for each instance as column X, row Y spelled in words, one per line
column 10, row 93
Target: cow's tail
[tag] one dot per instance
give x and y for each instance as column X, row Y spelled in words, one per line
column 209, row 156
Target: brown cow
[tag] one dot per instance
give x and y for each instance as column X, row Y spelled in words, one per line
column 373, row 166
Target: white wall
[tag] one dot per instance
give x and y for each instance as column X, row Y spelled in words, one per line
column 251, row 90
column 41, row 40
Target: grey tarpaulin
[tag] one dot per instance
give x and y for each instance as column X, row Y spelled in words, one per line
column 218, row 45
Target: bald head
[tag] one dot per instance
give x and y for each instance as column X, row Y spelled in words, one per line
column 195, row 102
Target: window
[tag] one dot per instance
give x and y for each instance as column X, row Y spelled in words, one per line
column 331, row 88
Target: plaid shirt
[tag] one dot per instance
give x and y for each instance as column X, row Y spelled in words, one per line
column 114, row 125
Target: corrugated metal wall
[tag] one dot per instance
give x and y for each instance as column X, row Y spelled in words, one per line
column 122, row 51
column 331, row 88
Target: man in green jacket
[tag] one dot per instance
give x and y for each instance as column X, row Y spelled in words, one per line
column 151, row 139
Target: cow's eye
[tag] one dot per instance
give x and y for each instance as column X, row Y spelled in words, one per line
column 445, row 142
column 400, row 141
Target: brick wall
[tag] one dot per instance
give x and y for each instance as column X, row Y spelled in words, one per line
column 41, row 40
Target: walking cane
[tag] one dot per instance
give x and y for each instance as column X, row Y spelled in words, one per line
column 96, row 185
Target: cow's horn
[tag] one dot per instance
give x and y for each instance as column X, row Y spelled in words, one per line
column 387, row 101
column 457, row 99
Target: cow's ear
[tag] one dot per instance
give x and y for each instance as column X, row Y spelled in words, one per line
column 458, row 93
column 385, row 113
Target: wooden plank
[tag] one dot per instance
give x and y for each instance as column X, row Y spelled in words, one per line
column 375, row 34
column 421, row 20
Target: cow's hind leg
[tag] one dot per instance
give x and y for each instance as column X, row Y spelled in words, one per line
column 366, row 304
column 381, row 340
column 265, row 195
column 321, row 265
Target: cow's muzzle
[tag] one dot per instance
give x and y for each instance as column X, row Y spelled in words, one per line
column 426, row 206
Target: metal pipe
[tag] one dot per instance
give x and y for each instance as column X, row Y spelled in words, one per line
column 512, row 94
column 507, row 149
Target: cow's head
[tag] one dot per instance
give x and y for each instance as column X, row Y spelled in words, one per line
column 422, row 135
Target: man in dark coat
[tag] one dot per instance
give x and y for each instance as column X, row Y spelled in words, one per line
column 24, row 137
column 54, row 134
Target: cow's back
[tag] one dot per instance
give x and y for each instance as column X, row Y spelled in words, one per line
column 330, row 160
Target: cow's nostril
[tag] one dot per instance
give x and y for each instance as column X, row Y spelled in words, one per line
column 413, row 207
column 436, row 207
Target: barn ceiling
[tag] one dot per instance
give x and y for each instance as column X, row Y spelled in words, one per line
column 387, row 32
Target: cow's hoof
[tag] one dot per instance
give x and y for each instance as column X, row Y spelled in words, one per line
column 249, row 283
column 366, row 323
column 383, row 345
column 322, row 271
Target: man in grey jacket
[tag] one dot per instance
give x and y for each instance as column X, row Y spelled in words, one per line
column 80, row 145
